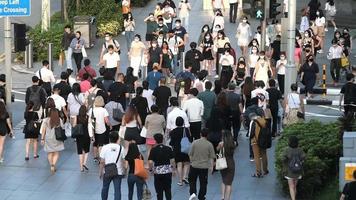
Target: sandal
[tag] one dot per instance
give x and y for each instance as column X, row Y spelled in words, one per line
column 258, row 175
column 180, row 183
column 265, row 173
column 36, row 156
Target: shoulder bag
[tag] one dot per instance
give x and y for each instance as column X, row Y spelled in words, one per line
column 60, row 134
column 185, row 144
column 140, row 170
column 117, row 115
column 77, row 131
column 111, row 168
column 300, row 114
column 221, row 162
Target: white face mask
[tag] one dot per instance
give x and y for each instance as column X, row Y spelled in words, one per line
column 219, row 36
column 244, row 21
column 318, row 13
column 154, row 45
column 254, row 43
column 282, row 58
column 254, row 51
column 177, row 24
column 107, row 38
column 262, row 57
column 137, row 40
column 207, row 38
column 306, row 35
column 205, row 29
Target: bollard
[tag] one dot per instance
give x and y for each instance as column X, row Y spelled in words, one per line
column 324, row 80
column 50, row 56
column 29, row 55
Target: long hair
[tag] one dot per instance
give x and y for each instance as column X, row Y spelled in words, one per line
column 49, row 105
column 229, row 146
column 187, row 85
column 3, row 111
column 132, row 152
column 82, row 116
column 221, row 100
column 131, row 114
column 54, row 120
column 76, row 89
column 248, row 86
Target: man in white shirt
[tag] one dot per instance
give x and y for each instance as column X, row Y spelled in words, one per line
column 109, row 41
column 335, row 54
column 59, row 101
column 112, row 61
column 174, row 113
column 112, row 153
column 261, row 94
column 194, row 108
column 174, row 42
column 233, row 10
column 217, row 5
column 168, row 15
column 47, row 77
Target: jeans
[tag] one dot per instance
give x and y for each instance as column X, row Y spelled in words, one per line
column 117, row 187
column 233, row 12
column 163, row 183
column 202, row 174
column 129, row 35
column 175, row 66
column 335, row 69
column 195, row 128
column 131, row 180
column 185, row 21
column 78, row 57
column 68, row 53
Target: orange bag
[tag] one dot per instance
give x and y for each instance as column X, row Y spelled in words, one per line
column 140, row 170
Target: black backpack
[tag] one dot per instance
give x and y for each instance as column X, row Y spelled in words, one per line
column 264, row 140
column 295, row 164
column 35, row 98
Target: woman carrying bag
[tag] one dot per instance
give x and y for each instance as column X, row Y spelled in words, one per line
column 293, row 107
column 132, row 123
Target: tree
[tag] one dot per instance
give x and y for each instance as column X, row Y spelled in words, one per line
column 65, row 10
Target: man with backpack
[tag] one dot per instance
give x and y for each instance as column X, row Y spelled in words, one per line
column 193, row 57
column 174, row 43
column 182, row 76
column 261, row 139
column 109, row 41
column 37, row 95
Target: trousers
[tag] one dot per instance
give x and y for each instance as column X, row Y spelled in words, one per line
column 194, row 174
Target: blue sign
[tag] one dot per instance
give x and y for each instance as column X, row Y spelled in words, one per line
column 15, row 8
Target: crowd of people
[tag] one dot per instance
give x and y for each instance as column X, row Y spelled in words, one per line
column 166, row 115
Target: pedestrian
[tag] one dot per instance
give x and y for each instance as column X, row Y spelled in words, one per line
column 313, row 7
column 201, row 157
column 293, row 158
column 217, row 5
column 158, row 10
column 46, row 76
column 108, row 80
column 60, row 103
column 194, row 108
column 330, row 12
column 154, row 77
column 347, row 44
column 247, row 89
column 309, row 75
column 67, row 38
column 193, row 57
column 75, row 100
column 161, row 27
column 162, row 94
column 258, row 123
column 132, row 154
column 110, row 107
column 304, row 23
column 112, row 153
column 308, row 43
column 184, row 10
column 126, row 8
column 48, row 137
column 204, row 30
column 234, row 101
column 320, row 24
column 263, row 70
column 227, row 147
column 181, row 159
column 275, row 97
column 275, row 52
column 241, row 72
column 147, row 93
column 109, row 41
column 219, row 20
column 349, row 189
column 130, row 26
column 136, row 52
column 64, row 86
column 133, row 124
column 219, row 48
column 151, row 26
column 184, row 81
column 233, row 10
column 31, row 130
column 166, row 58
column 243, row 35
column 130, row 81
column 174, row 113
column 227, row 62
column 281, row 71
column 85, row 84
column 37, row 95
column 155, row 124
column 77, row 46
column 87, row 69
column 348, row 95
column 111, row 61
column 208, row 98
column 168, row 15
column 253, row 59
column 49, row 105
column 207, row 52
column 293, row 104
column 161, row 161
column 118, row 91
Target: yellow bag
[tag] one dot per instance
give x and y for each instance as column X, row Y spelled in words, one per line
column 344, row 62
column 61, row 58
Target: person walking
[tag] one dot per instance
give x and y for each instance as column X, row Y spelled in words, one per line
column 141, row 104
column 77, row 46
column 67, row 38
column 162, row 94
column 133, row 124
column 263, row 70
column 174, row 113
column 132, row 154
column 112, row 153
column 47, row 77
column 243, row 35
column 194, row 108
column 184, row 10
column 275, row 97
column 348, row 95
column 129, row 25
column 293, row 158
column 48, row 137
column 293, row 104
column 281, row 71
column 37, row 95
column 111, row 61
column 234, row 101
column 335, row 54
column 233, row 10
column 87, row 69
column 161, row 162
column 330, row 12
column 155, row 124
column 309, row 75
column 227, row 147
column 201, row 156
column 31, row 130
column 118, row 91
column 349, row 189
column 136, row 55
column 75, row 100
column 208, row 98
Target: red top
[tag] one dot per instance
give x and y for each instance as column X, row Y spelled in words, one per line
column 89, row 70
column 84, row 86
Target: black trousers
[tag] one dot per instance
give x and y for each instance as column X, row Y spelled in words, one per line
column 163, row 183
column 236, row 124
column 195, row 128
column 274, row 112
column 335, row 69
column 194, row 174
column 78, row 57
column 112, row 72
column 281, row 82
column 233, row 12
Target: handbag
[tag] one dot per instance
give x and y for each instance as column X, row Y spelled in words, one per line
column 143, row 132
column 68, row 129
column 84, row 52
column 185, row 144
column 221, row 162
column 300, row 114
column 117, row 115
column 60, row 134
column 77, row 131
column 122, row 131
column 111, row 168
column 344, row 61
column 146, row 195
column 140, row 170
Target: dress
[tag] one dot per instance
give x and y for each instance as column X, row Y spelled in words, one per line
column 3, row 124
column 244, row 33
column 228, row 173
column 207, row 54
column 262, row 73
column 31, row 117
column 176, row 137
column 83, row 142
column 51, row 144
column 309, row 75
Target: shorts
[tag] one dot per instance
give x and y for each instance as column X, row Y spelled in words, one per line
column 101, row 139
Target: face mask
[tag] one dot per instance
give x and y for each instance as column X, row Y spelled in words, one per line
column 262, row 57
column 282, row 58
column 177, row 24
column 244, row 21
column 254, row 51
column 154, row 45
column 226, row 53
column 306, row 35
column 318, row 13
column 107, row 38
column 297, row 38
column 207, row 38
column 111, row 52
column 137, row 40
column 205, row 29
column 254, row 43
column 220, row 36
column 161, row 36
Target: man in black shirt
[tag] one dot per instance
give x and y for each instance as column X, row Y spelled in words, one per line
column 181, row 32
column 118, row 91
column 64, row 86
column 235, row 103
column 274, row 96
column 349, row 191
column 36, row 94
column 275, row 51
column 193, row 57
column 348, row 95
column 161, row 160
column 162, row 94
column 154, row 53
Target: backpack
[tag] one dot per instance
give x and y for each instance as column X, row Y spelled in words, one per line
column 115, row 42
column 35, row 98
column 264, row 140
column 295, row 164
column 91, row 98
column 179, row 82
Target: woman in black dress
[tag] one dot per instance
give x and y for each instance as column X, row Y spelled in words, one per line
column 208, row 58
column 181, row 159
column 31, row 130
column 83, row 141
column 165, row 59
column 309, row 74
column 5, row 128
column 130, row 80
column 141, row 104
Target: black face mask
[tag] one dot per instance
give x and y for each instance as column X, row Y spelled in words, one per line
column 311, row 60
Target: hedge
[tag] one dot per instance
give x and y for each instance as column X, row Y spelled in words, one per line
column 139, row 3
column 322, row 146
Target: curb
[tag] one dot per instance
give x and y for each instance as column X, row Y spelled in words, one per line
column 20, row 69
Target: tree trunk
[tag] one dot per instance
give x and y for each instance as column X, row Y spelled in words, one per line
column 77, row 6
column 65, row 10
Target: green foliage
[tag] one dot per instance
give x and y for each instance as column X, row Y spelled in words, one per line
column 139, row 3
column 322, row 146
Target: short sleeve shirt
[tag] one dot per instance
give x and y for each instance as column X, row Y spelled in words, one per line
column 349, row 91
column 110, row 152
column 59, row 101
column 162, row 93
column 161, row 155
column 99, row 113
column 111, row 59
column 180, row 32
column 117, row 92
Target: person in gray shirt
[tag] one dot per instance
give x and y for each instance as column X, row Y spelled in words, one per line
column 208, row 98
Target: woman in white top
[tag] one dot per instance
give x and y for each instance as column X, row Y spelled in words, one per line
column 219, row 20
column 304, row 24
column 132, row 122
column 129, row 25
column 281, row 71
column 320, row 25
column 293, row 104
column 97, row 121
column 330, row 12
column 263, row 69
column 136, row 54
column 75, row 100
column 184, row 9
column 252, row 60
column 243, row 36
column 148, row 94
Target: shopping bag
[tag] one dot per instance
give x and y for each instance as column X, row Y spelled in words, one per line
column 140, row 170
column 61, row 58
column 84, row 52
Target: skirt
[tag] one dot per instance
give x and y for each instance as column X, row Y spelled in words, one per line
column 101, row 139
column 228, row 173
column 83, row 144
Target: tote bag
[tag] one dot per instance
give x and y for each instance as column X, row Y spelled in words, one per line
column 185, row 144
column 140, row 170
column 221, row 160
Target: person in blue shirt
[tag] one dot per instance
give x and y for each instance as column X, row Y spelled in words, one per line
column 153, row 77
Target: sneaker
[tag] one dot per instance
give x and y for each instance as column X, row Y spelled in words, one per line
column 185, row 181
column 1, row 160
column 335, row 29
column 193, row 197
column 326, row 30
column 320, row 51
column 251, row 159
column 216, row 76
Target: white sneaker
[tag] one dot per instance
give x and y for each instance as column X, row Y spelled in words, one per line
column 1, row 160
column 335, row 29
column 326, row 30
column 193, row 197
